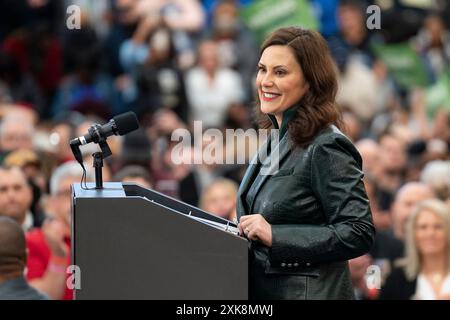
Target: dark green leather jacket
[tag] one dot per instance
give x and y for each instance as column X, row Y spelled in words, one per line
column 320, row 217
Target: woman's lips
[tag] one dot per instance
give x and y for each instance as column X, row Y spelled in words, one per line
column 269, row 96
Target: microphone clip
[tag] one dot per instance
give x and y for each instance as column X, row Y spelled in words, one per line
column 106, row 151
column 98, row 136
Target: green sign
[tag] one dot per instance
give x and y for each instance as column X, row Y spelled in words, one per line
column 404, row 64
column 264, row 16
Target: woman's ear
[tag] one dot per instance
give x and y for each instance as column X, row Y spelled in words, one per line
column 305, row 87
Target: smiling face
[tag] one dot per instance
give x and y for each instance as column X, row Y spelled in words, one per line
column 280, row 81
column 431, row 237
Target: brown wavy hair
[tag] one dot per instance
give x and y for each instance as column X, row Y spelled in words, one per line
column 317, row 109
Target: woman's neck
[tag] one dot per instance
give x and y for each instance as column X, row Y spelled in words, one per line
column 279, row 118
column 433, row 264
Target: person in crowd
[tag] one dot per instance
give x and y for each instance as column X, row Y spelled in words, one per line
column 36, row 46
column 424, row 273
column 219, row 198
column 436, row 175
column 15, row 196
column 49, row 246
column 352, row 125
column 354, row 33
column 13, row 259
column 61, row 133
column 31, row 165
column 16, row 85
column 433, row 43
column 211, row 88
column 15, row 133
column 393, row 165
column 159, row 80
column 136, row 149
column 134, row 174
column 181, row 15
column 370, row 153
column 236, row 44
column 389, row 244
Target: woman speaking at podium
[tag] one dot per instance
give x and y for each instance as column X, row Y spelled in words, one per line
column 312, row 215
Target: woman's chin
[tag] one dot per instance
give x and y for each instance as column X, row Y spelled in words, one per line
column 266, row 109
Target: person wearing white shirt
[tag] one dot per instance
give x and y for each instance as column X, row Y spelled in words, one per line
column 424, row 273
column 211, row 90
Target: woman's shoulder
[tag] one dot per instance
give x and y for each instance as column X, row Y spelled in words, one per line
column 332, row 140
column 330, row 134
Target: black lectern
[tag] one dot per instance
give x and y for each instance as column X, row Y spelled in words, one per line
column 133, row 243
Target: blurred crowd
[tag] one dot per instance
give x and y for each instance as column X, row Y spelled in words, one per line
column 174, row 62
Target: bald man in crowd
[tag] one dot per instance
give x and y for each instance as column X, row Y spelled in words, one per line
column 13, row 257
column 389, row 244
column 15, row 133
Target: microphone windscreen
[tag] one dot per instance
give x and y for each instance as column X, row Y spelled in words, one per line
column 126, row 122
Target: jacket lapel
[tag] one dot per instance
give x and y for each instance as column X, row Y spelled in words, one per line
column 247, row 179
column 270, row 165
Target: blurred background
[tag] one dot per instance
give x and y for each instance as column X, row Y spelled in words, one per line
column 64, row 68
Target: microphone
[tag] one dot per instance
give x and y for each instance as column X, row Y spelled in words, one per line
column 119, row 125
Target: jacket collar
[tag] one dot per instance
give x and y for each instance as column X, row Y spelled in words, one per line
column 287, row 116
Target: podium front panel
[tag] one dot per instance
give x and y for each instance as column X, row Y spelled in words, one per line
column 133, row 248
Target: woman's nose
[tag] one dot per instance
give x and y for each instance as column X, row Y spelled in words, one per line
column 267, row 81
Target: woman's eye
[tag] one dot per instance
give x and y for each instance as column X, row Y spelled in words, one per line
column 259, row 68
column 280, row 73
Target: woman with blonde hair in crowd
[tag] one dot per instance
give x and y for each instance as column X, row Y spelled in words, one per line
column 219, row 198
column 424, row 273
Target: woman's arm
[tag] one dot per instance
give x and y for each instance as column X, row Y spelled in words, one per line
column 336, row 180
